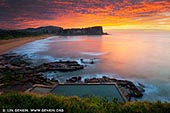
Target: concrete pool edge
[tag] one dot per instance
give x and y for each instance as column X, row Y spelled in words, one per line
column 33, row 88
column 116, row 86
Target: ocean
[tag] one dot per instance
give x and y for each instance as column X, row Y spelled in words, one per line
column 141, row 56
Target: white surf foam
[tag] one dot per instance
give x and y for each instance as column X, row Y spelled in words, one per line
column 33, row 47
column 94, row 53
column 69, row 39
column 110, row 75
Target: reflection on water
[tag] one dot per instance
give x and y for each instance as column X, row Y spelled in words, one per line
column 140, row 56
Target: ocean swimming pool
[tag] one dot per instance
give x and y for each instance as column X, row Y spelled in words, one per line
column 108, row 91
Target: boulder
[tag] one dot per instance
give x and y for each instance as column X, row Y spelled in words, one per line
column 74, row 79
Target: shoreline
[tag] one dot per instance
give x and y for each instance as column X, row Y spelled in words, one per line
column 6, row 45
column 19, row 75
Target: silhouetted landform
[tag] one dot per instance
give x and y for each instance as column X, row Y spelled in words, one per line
column 8, row 34
column 45, row 30
column 96, row 30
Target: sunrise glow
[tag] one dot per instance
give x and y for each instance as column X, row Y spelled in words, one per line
column 111, row 14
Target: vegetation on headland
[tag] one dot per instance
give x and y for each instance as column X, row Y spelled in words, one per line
column 9, row 34
column 78, row 105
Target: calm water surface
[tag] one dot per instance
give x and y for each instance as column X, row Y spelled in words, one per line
column 136, row 55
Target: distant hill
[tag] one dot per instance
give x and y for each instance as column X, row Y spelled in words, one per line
column 8, row 34
column 95, row 30
column 44, row 30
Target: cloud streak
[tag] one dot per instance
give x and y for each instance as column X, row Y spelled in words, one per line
column 82, row 13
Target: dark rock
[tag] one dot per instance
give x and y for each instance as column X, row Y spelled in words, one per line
column 87, row 80
column 140, row 89
column 22, row 75
column 136, row 94
column 54, row 80
column 105, row 77
column 141, row 85
column 92, row 62
column 87, row 61
column 63, row 66
column 79, row 78
column 74, row 79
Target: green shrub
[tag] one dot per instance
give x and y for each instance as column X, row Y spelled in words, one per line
column 75, row 104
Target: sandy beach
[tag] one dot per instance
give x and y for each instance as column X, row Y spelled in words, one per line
column 9, row 44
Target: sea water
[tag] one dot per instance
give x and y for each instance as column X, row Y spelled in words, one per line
column 137, row 55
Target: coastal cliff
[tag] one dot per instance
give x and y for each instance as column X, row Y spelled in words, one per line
column 7, row 34
column 96, row 30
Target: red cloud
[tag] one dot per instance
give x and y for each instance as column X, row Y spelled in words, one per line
column 80, row 13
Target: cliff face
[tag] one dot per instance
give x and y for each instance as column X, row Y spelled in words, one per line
column 96, row 30
column 44, row 30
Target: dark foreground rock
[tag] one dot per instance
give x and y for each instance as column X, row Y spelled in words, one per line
column 128, row 88
column 74, row 80
column 17, row 72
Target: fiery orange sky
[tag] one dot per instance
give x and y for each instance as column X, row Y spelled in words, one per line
column 112, row 14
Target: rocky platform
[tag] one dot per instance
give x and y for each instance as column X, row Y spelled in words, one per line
column 17, row 72
column 62, row 66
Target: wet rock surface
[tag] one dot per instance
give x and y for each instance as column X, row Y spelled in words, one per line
column 62, row 66
column 74, row 80
column 17, row 72
column 128, row 88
